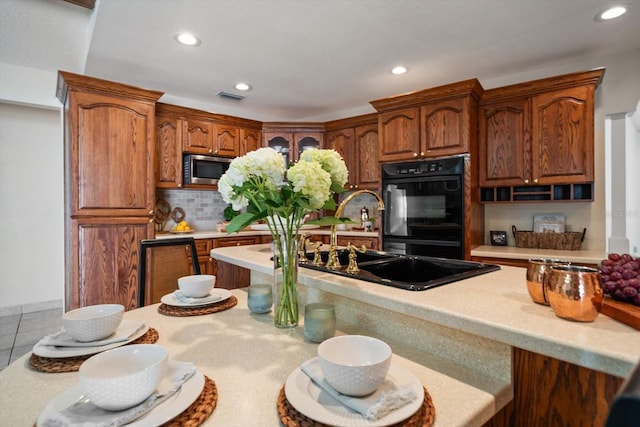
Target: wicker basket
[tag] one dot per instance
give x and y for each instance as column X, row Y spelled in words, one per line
column 563, row 241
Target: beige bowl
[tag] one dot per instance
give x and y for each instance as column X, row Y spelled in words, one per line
column 197, row 285
column 122, row 377
column 94, row 322
column 354, row 365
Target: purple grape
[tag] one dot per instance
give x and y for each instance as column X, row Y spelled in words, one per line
column 607, row 262
column 629, row 292
column 634, row 265
column 605, row 277
column 628, row 274
column 605, row 269
column 614, row 257
column 626, row 257
column 610, row 287
column 618, row 294
column 616, row 275
column 617, row 268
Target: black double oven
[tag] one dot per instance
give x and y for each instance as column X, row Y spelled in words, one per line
column 424, row 207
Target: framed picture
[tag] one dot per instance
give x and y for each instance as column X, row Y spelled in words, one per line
column 546, row 223
column 498, row 238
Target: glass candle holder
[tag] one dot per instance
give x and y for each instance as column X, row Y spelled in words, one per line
column 319, row 321
column 260, row 298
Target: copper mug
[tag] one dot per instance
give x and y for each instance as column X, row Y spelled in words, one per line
column 537, row 274
column 575, row 292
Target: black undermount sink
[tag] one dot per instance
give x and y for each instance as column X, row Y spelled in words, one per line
column 410, row 272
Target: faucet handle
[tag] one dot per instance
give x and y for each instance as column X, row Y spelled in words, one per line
column 317, row 259
column 302, row 248
column 353, row 265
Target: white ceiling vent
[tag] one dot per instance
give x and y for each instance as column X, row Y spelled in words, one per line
column 228, row 95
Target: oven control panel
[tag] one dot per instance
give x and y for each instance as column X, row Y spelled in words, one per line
column 448, row 166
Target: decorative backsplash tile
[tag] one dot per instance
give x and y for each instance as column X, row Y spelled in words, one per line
column 204, row 208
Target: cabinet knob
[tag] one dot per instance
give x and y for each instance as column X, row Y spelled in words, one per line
column 535, row 181
column 215, row 152
column 422, row 154
column 179, row 185
column 151, row 221
column 351, row 187
column 356, row 186
column 152, row 212
column 211, row 150
column 526, row 181
column 237, row 244
column 415, row 154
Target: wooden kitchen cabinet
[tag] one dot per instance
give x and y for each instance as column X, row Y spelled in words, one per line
column 168, row 151
column 198, row 136
column 434, row 122
column 250, row 140
column 356, row 139
column 291, row 139
column 226, row 142
column 227, row 276
column 109, row 149
column 368, row 242
column 539, row 134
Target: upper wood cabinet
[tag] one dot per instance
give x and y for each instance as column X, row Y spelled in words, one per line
column 109, row 149
column 250, row 140
column 356, row 139
column 539, row 132
column 198, row 136
column 227, row 141
column 168, row 151
column 291, row 139
column 429, row 123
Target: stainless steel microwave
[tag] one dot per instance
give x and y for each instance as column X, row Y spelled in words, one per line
column 199, row 169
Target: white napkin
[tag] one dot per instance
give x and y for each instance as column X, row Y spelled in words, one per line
column 373, row 406
column 83, row 413
column 123, row 333
column 179, row 296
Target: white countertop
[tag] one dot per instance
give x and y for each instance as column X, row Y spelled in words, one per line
column 495, row 306
column 249, row 359
column 579, row 256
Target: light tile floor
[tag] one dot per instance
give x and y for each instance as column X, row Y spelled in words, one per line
column 20, row 332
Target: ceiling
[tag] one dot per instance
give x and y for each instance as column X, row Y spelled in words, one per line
column 308, row 60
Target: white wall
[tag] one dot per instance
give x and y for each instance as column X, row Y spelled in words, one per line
column 31, row 206
column 632, row 152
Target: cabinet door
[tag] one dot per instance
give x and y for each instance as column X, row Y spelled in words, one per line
column 111, row 156
column 445, row 128
column 227, row 141
column 367, row 166
column 399, row 134
column 505, row 144
column 169, row 152
column 250, row 140
column 306, row 141
column 282, row 143
column 104, row 256
column 562, row 136
column 343, row 141
column 197, row 136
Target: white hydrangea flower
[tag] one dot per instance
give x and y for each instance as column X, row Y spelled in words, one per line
column 225, row 189
column 331, row 162
column 309, row 179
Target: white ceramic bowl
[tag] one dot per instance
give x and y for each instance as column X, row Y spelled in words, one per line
column 354, row 365
column 122, row 377
column 93, row 322
column 197, row 285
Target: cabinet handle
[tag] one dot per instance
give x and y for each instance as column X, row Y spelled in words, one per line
column 535, row 181
column 526, row 181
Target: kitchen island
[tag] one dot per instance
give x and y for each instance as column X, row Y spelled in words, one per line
column 485, row 326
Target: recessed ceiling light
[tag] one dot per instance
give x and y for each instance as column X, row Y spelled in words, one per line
column 613, row 12
column 398, row 70
column 187, row 39
column 242, row 86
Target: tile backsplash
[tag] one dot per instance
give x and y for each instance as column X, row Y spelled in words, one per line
column 203, row 208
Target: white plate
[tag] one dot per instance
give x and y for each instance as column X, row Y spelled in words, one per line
column 170, row 299
column 310, row 400
column 266, row 227
column 59, row 352
column 157, row 416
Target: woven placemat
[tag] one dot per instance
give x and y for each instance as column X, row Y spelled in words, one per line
column 200, row 410
column 72, row 364
column 172, row 310
column 290, row 417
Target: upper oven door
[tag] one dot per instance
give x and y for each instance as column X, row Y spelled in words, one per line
column 425, row 207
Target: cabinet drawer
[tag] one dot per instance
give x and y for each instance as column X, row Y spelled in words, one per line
column 235, row 241
column 368, row 242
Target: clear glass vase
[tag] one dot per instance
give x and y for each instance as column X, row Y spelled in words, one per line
column 285, row 281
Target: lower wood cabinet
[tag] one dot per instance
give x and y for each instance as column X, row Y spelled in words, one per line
column 550, row 392
column 228, row 276
column 369, row 242
column 515, row 262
